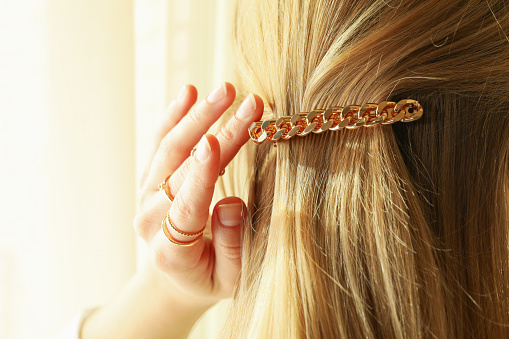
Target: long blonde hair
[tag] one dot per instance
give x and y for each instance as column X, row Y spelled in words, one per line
column 396, row 231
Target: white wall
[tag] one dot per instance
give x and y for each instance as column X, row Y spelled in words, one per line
column 66, row 160
column 81, row 84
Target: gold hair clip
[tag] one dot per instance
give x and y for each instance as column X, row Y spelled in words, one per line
column 334, row 118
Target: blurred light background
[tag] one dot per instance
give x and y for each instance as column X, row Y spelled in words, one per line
column 81, row 85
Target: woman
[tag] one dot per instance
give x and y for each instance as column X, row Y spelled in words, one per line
column 391, row 231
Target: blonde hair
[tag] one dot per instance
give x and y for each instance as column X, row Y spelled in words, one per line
column 394, row 231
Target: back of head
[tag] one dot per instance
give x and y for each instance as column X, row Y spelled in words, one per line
column 394, row 231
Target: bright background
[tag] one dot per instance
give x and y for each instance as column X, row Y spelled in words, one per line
column 81, row 85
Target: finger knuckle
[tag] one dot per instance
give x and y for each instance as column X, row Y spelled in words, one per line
column 183, row 208
column 187, row 165
column 195, row 115
column 228, row 136
column 161, row 260
column 230, row 252
column 200, row 182
column 165, row 145
column 169, row 264
column 143, row 224
column 186, row 208
column 201, row 176
column 178, row 177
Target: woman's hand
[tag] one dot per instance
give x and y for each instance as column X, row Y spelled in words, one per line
column 206, row 271
column 166, row 301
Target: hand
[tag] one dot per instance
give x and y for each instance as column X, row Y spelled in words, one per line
column 208, row 269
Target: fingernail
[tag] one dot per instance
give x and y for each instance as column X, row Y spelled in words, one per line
column 217, row 95
column 230, row 214
column 182, row 94
column 247, row 107
column 203, row 151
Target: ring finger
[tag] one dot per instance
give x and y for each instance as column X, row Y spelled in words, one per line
column 177, row 109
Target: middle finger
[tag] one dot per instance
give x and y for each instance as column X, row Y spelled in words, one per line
column 177, row 144
column 232, row 136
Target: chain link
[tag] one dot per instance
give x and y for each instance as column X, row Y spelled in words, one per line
column 334, row 119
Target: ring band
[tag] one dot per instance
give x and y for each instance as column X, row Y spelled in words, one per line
column 164, row 187
column 220, row 172
column 173, row 240
column 186, row 234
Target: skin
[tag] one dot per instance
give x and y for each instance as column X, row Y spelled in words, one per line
column 167, row 296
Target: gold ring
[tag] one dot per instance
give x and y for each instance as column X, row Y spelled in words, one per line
column 173, row 240
column 186, row 234
column 164, row 187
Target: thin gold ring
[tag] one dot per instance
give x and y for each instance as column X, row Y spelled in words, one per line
column 175, row 241
column 186, row 234
column 166, row 188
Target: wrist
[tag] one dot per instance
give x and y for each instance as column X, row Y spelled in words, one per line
column 170, row 294
column 150, row 306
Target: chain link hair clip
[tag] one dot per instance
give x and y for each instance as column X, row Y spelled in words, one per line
column 334, row 119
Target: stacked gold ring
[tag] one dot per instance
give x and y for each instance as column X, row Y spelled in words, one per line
column 164, row 226
column 167, row 221
column 186, row 234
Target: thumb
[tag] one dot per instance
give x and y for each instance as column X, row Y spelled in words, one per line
column 226, row 238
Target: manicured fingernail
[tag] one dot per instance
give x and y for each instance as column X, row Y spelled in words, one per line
column 217, row 95
column 247, row 108
column 230, row 214
column 182, row 94
column 203, row 151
